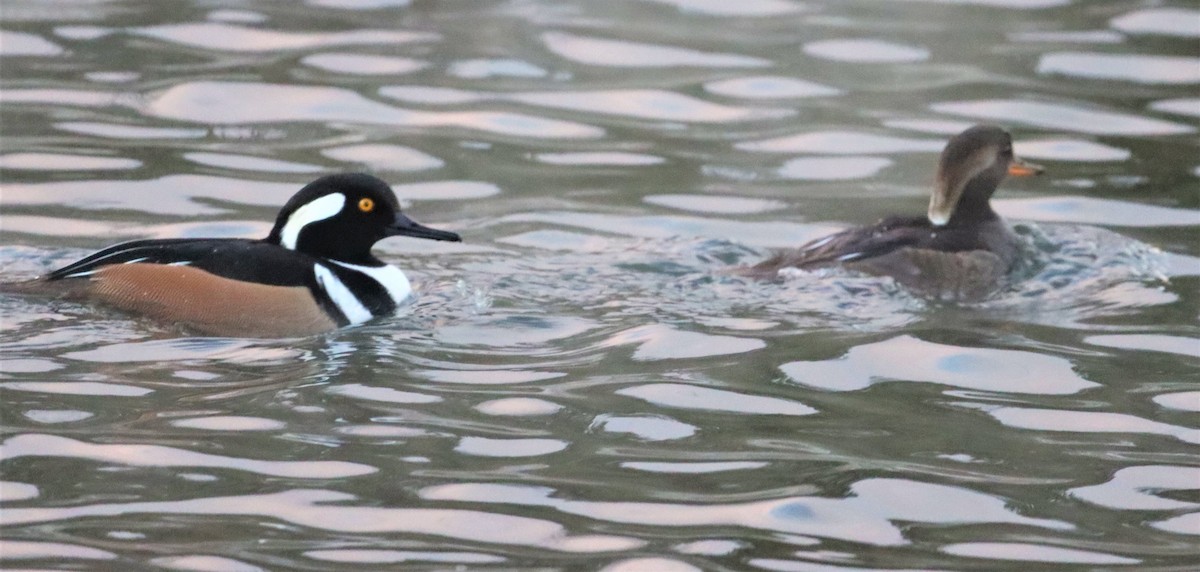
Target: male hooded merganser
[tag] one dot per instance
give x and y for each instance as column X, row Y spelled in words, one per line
column 313, row 273
column 959, row 250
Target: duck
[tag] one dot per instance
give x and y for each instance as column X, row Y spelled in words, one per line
column 960, row 249
column 313, row 273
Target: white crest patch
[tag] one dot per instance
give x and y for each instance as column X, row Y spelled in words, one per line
column 325, row 207
column 342, row 297
column 952, row 183
column 388, row 276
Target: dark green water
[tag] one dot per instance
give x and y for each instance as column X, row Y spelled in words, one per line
column 578, row 386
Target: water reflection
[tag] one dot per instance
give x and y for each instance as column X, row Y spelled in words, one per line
column 682, row 396
column 252, row 103
column 204, row 563
column 58, row 162
column 1159, row 21
column 1020, row 551
column 30, row 445
column 22, row 44
column 619, row 53
column 866, row 51
column 1088, row 210
column 314, row 508
column 1062, row 117
column 659, row 342
column 909, row 359
column 1088, row 422
column 1127, row 67
column 843, row 142
column 363, row 64
column 26, row 550
column 362, row 556
column 863, row 517
column 769, row 87
column 1130, row 488
column 228, row 37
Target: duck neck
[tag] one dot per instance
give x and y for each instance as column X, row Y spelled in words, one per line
column 975, row 204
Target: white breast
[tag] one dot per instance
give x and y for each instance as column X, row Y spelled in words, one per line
column 346, row 301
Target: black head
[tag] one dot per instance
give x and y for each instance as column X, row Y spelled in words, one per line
column 972, row 165
column 342, row 216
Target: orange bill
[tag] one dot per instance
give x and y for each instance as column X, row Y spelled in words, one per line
column 1019, row 168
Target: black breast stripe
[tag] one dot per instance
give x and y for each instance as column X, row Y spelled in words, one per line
column 323, row 300
column 373, row 295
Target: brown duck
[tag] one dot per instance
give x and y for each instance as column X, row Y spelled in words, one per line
column 961, row 249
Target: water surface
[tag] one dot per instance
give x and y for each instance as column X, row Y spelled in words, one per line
column 579, row 386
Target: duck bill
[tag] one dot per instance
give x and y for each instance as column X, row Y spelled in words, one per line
column 1019, row 168
column 404, row 226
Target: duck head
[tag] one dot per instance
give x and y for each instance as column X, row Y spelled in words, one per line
column 340, row 217
column 972, row 165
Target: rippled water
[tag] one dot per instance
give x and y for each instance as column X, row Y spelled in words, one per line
column 580, row 385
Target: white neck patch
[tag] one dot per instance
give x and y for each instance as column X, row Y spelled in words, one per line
column 391, row 278
column 325, row 207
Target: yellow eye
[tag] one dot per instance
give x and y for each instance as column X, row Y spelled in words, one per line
column 366, row 205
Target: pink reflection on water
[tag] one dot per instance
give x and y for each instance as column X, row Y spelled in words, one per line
column 248, row 103
column 907, row 358
column 326, row 510
column 1088, row 422
column 35, row 445
column 620, row 53
column 659, row 342
column 228, row 37
column 864, row 516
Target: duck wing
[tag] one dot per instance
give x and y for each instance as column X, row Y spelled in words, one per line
column 234, row 258
column 859, row 243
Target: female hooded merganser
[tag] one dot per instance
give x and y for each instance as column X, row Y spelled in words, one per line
column 959, row 250
column 313, row 273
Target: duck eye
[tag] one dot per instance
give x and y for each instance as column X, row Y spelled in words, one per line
column 366, row 205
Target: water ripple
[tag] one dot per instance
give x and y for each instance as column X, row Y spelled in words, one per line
column 620, row 53
column 1130, row 488
column 906, row 358
column 1062, row 116
column 863, row 517
column 210, row 102
column 314, row 508
column 1126, row 67
column 23, row 44
column 1088, row 422
column 1021, row 551
column 228, row 37
column 683, row 396
column 1159, row 21
column 136, row 455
